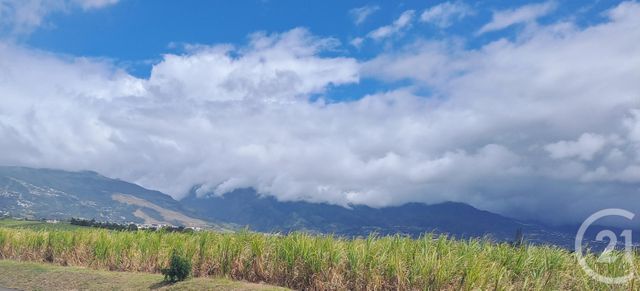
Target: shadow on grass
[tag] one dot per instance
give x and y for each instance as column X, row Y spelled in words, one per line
column 160, row 285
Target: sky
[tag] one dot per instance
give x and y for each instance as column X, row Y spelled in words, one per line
column 527, row 109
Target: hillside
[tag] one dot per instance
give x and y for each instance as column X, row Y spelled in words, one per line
column 56, row 194
column 46, row 193
column 265, row 213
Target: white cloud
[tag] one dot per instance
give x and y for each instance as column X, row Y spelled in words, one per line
column 361, row 14
column 534, row 96
column 633, row 125
column 584, row 148
column 629, row 174
column 444, row 14
column 274, row 68
column 357, row 42
column 95, row 4
column 213, row 116
column 525, row 14
column 228, row 117
column 436, row 63
column 400, row 24
column 23, row 16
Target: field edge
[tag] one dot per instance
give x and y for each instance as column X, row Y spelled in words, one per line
column 23, row 275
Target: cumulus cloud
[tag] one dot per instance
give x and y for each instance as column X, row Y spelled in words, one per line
column 272, row 68
column 544, row 124
column 574, row 131
column 633, row 124
column 399, row 25
column 444, row 14
column 198, row 115
column 23, row 16
column 361, row 14
column 584, row 148
column 525, row 14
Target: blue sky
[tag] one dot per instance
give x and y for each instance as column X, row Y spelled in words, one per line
column 136, row 33
column 528, row 109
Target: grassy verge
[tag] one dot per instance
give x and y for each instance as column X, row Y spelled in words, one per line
column 36, row 225
column 302, row 261
column 38, row 276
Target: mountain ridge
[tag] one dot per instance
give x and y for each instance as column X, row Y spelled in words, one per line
column 57, row 194
column 51, row 193
column 246, row 207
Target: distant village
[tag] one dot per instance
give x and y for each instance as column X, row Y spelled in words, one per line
column 132, row 226
column 129, row 226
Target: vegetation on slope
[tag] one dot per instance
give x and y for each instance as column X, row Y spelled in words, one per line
column 36, row 224
column 302, row 261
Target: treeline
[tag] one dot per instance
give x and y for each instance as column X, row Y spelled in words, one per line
column 124, row 227
column 103, row 224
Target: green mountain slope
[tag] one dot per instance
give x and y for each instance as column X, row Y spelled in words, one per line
column 46, row 193
column 245, row 207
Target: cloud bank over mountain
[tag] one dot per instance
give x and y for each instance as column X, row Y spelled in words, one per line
column 545, row 125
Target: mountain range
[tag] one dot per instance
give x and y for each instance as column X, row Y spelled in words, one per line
column 56, row 194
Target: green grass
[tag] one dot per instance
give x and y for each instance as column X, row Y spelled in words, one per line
column 36, row 225
column 38, row 276
column 302, row 261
